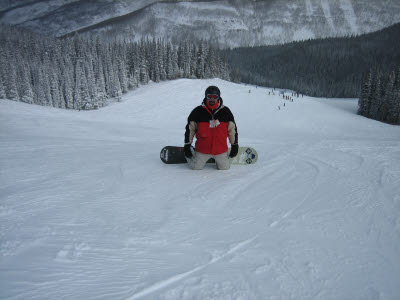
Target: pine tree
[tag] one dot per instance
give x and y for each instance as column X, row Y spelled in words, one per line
column 371, row 96
column 155, row 62
column 11, row 83
column 131, row 81
column 123, row 76
column 201, row 61
column 108, row 71
column 81, row 92
column 116, row 90
column 67, row 89
column 44, row 92
column 55, row 90
column 100, row 83
column 46, row 72
column 193, row 61
column 2, row 90
column 186, row 61
column 365, row 96
column 175, row 67
column 211, row 64
column 396, row 99
column 91, row 80
column 26, row 86
column 388, row 100
column 131, row 57
column 162, row 60
column 144, row 75
column 169, row 66
column 377, row 107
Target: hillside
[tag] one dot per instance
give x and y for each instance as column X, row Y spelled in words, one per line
column 88, row 210
column 228, row 23
column 331, row 67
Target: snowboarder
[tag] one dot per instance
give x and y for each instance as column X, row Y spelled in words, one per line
column 212, row 123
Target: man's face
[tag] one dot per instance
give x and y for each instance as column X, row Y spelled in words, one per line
column 212, row 99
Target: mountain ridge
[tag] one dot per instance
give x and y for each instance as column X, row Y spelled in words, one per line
column 230, row 23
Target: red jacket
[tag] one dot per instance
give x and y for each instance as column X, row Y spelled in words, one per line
column 211, row 129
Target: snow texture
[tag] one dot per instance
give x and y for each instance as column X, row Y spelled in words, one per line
column 350, row 15
column 89, row 211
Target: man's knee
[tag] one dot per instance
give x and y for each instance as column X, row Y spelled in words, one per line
column 222, row 161
column 198, row 161
column 197, row 167
column 224, row 166
column 194, row 165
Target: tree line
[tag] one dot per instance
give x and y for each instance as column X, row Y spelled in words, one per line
column 380, row 95
column 330, row 67
column 85, row 72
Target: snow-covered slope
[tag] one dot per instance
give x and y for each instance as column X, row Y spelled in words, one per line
column 59, row 17
column 88, row 210
column 251, row 23
column 231, row 23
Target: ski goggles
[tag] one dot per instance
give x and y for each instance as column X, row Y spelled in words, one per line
column 212, row 97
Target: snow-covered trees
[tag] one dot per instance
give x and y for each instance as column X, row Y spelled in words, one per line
column 26, row 92
column 380, row 96
column 2, row 91
column 82, row 73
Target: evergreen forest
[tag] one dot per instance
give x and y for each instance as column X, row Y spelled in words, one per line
column 331, row 67
column 365, row 67
column 85, row 72
column 380, row 96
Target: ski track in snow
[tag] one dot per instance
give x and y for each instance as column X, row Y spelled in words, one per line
column 176, row 278
column 86, row 215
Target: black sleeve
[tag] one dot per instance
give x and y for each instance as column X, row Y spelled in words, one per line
column 231, row 118
column 187, row 128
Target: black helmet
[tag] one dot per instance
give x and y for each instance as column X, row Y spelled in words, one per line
column 212, row 90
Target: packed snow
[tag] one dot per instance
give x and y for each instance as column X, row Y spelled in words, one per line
column 89, row 211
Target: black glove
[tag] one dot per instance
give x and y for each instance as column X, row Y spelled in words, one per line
column 188, row 151
column 234, row 150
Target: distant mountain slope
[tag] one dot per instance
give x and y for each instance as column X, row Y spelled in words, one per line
column 232, row 23
column 58, row 17
column 331, row 67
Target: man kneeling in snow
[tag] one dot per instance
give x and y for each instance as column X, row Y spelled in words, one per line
column 212, row 123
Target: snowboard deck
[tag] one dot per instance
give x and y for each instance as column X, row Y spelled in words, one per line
column 175, row 155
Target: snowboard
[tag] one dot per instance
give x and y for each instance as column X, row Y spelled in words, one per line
column 175, row 155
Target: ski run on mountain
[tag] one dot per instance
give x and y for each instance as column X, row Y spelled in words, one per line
column 88, row 210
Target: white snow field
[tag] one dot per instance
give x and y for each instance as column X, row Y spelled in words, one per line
column 89, row 211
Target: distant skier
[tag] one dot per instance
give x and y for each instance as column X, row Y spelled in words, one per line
column 212, row 123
